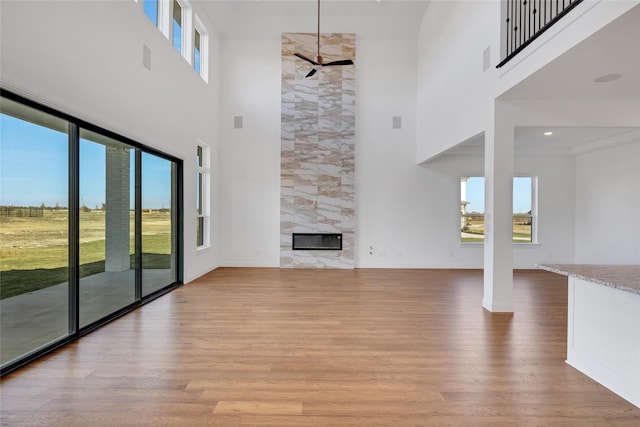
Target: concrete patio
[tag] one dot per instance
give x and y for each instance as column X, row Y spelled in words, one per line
column 32, row 320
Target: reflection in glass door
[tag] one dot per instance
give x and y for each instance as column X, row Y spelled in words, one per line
column 158, row 223
column 34, row 230
column 107, row 269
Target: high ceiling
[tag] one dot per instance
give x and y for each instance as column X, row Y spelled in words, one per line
column 268, row 19
column 611, row 50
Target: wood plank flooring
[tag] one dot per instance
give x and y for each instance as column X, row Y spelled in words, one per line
column 271, row 347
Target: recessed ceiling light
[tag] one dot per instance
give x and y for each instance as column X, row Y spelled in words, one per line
column 548, row 133
column 607, row 78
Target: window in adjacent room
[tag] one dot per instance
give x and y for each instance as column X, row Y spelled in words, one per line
column 202, row 208
column 472, row 209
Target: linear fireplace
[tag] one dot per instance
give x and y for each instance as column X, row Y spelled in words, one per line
column 317, row 241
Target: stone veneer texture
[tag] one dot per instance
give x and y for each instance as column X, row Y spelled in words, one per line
column 317, row 149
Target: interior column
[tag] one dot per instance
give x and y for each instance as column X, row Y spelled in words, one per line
column 498, row 247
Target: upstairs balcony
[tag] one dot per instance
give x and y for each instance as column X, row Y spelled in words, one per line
column 525, row 20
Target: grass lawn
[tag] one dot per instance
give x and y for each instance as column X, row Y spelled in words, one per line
column 521, row 232
column 34, row 251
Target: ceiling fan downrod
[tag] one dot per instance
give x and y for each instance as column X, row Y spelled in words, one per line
column 318, row 62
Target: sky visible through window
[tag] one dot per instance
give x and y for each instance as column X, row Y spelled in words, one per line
column 151, row 10
column 32, row 173
column 196, row 51
column 177, row 26
column 34, row 169
column 521, row 194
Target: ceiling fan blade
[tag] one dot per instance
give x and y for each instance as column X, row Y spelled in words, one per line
column 341, row 62
column 305, row 58
column 311, row 73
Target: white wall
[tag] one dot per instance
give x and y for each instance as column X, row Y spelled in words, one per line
column 429, row 237
column 249, row 173
column 85, row 59
column 389, row 186
column 454, row 94
column 408, row 215
column 607, row 226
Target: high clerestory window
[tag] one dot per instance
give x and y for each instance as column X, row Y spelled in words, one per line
column 177, row 26
column 524, row 209
column 183, row 28
column 196, row 50
column 151, row 10
column 200, row 48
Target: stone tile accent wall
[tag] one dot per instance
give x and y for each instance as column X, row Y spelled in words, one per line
column 317, row 149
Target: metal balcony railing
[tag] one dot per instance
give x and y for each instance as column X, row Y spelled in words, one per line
column 525, row 20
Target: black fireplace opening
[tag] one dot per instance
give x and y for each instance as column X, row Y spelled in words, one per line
column 317, row 241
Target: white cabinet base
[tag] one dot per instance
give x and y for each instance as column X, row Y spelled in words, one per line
column 603, row 338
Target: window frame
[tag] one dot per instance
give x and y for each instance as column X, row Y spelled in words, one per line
column 203, row 177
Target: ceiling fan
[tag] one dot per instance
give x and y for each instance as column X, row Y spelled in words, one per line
column 318, row 62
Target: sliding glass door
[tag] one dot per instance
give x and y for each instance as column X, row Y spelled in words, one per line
column 88, row 227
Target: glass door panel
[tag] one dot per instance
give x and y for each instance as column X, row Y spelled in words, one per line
column 34, row 230
column 158, row 223
column 107, row 267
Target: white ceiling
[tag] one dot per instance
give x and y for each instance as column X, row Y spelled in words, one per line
column 268, row 19
column 565, row 140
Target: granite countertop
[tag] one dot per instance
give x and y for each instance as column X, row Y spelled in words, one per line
column 623, row 277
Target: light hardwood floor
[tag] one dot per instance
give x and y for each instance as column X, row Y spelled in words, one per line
column 271, row 347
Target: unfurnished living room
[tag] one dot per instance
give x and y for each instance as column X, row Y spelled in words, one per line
column 320, row 213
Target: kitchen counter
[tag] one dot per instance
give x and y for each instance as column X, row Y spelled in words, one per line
column 623, row 277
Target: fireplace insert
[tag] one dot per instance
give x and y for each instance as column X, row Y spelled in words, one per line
column 317, row 241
